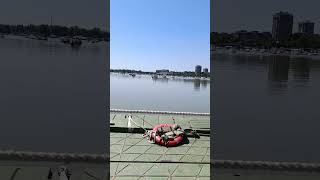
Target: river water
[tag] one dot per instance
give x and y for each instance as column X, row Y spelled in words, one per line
column 266, row 108
column 52, row 97
column 162, row 94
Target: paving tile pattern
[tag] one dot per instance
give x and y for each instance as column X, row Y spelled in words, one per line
column 133, row 157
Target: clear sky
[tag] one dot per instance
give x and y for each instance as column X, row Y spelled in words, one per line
column 159, row 34
column 83, row 13
column 233, row 15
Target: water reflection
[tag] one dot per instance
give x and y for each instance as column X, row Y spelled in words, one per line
column 161, row 80
column 301, row 70
column 279, row 70
column 204, row 84
column 198, row 83
column 273, row 100
column 278, row 74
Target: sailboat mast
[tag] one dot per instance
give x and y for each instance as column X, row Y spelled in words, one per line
column 51, row 25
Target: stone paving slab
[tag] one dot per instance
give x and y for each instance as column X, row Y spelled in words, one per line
column 133, row 157
column 159, row 171
column 130, row 147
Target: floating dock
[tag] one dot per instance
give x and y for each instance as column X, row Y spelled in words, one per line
column 133, row 157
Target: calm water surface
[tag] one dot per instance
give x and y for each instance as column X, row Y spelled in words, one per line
column 163, row 94
column 52, row 96
column 266, row 108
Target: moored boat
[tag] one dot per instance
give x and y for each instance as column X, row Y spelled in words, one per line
column 75, row 42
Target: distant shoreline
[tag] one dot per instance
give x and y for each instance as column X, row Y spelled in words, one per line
column 292, row 53
column 61, row 41
column 159, row 75
column 73, row 35
column 15, row 36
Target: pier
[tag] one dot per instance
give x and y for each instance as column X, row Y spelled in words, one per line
column 132, row 156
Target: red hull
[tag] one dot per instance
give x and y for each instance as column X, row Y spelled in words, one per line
column 170, row 143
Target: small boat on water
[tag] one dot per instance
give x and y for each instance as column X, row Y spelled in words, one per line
column 75, row 42
column 32, row 37
column 43, row 38
column 65, row 40
column 132, row 74
column 94, row 41
column 53, row 36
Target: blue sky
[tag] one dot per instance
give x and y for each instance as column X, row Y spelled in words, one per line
column 159, row 34
column 83, row 13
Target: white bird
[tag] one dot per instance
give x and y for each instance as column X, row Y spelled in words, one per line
column 129, row 121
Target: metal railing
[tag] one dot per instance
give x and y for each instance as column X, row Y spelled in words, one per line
column 52, row 156
column 159, row 112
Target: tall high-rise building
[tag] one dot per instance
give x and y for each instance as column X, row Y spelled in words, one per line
column 205, row 70
column 198, row 69
column 306, row 27
column 282, row 26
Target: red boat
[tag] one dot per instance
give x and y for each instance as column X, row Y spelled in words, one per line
column 168, row 135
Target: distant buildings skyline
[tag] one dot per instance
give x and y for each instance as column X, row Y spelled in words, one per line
column 198, row 69
column 306, row 27
column 232, row 15
column 282, row 26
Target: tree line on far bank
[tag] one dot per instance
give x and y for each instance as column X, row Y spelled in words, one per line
column 45, row 30
column 297, row 40
column 173, row 73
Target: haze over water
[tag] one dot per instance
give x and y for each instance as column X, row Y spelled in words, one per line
column 266, row 108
